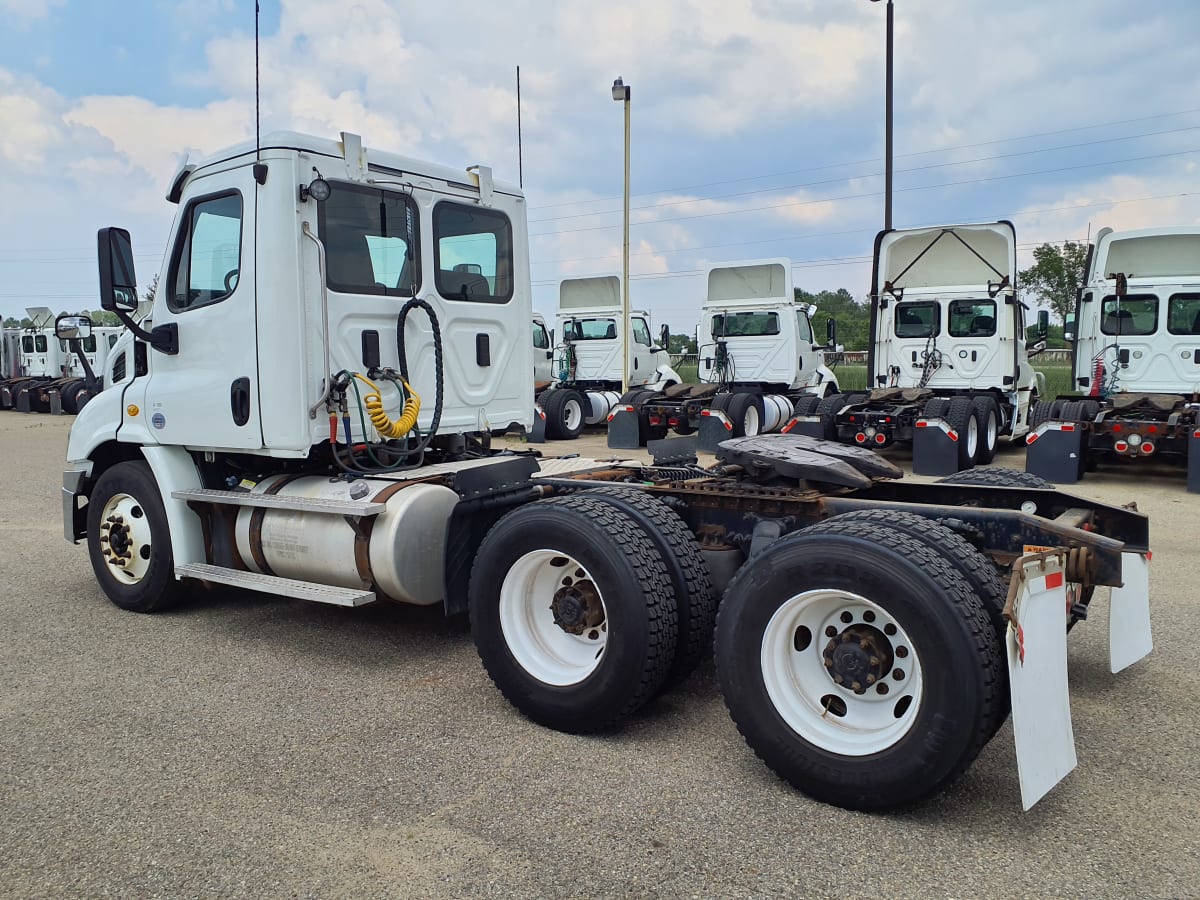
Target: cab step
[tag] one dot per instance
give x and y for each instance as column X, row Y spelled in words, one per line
column 359, row 508
column 272, row 584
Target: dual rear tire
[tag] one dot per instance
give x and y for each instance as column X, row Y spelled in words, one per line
column 860, row 662
column 583, row 608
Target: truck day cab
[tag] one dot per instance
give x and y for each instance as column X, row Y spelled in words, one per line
column 337, row 333
column 1136, row 357
column 948, row 348
column 757, row 358
column 591, row 354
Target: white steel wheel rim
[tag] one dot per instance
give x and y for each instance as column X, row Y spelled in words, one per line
column 806, row 697
column 572, row 413
column 751, row 421
column 992, row 428
column 972, row 436
column 125, row 538
column 539, row 645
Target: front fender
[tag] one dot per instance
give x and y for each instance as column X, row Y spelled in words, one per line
column 666, row 375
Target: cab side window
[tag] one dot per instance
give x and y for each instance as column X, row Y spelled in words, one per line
column 803, row 327
column 541, row 340
column 208, row 249
column 641, row 333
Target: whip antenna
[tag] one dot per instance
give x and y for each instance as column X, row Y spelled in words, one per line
column 520, row 162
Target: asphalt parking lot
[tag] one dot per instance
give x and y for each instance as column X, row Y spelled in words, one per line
column 253, row 745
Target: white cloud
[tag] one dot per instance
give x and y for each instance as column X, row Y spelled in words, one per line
column 25, row 11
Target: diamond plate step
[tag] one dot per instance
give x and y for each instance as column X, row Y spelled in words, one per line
column 274, row 501
column 271, row 584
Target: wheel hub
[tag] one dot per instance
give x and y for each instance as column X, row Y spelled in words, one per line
column 577, row 607
column 858, row 657
column 116, row 540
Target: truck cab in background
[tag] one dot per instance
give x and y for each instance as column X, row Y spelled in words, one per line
column 757, row 357
column 543, row 354
column 1135, row 360
column 948, row 349
column 590, row 356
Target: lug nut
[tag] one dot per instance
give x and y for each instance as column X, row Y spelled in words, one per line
column 898, row 674
column 871, row 679
column 902, row 652
column 593, row 634
column 881, row 688
column 830, row 631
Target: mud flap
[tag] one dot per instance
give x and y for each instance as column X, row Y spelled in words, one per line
column 715, row 427
column 809, row 426
column 1056, row 452
column 1037, row 673
column 935, row 448
column 1193, row 466
column 537, row 434
column 1129, row 636
column 623, row 431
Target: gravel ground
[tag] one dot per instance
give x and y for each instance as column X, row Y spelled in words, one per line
column 255, row 746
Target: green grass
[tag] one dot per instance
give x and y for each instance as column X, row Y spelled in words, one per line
column 854, row 378
column 1058, row 378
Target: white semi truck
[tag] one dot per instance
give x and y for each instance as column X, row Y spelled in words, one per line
column 591, row 354
column 337, row 333
column 948, row 347
column 757, row 357
column 1135, row 359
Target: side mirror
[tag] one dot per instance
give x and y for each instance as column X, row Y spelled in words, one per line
column 1043, row 323
column 1069, row 329
column 551, row 337
column 831, row 331
column 118, row 283
column 71, row 328
column 664, row 337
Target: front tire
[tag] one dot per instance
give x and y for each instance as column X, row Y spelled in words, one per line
column 805, row 623
column 572, row 613
column 129, row 542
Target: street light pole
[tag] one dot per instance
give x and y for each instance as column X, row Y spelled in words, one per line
column 887, row 126
column 621, row 92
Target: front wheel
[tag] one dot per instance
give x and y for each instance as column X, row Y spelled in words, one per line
column 129, row 542
column 860, row 665
column 572, row 613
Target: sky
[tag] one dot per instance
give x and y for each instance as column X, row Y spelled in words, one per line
column 757, row 125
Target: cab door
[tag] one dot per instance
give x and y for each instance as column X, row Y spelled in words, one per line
column 206, row 395
column 642, row 362
column 807, row 358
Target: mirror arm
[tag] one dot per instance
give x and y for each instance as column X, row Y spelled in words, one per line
column 164, row 338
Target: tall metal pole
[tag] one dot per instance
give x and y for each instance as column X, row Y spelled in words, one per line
column 625, row 326
column 887, row 151
column 621, row 92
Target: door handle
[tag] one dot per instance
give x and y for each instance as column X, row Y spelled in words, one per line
column 239, row 400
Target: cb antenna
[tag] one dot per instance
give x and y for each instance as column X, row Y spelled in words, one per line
column 520, row 161
column 260, row 168
column 257, row 114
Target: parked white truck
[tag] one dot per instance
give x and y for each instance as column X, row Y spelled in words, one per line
column 336, row 334
column 1136, row 357
column 948, row 347
column 757, row 357
column 591, row 354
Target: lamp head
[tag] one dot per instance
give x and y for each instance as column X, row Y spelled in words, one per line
column 620, row 90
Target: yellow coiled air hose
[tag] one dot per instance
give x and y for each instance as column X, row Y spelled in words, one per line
column 379, row 418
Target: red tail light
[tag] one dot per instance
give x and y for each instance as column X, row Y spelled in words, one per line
column 860, row 438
